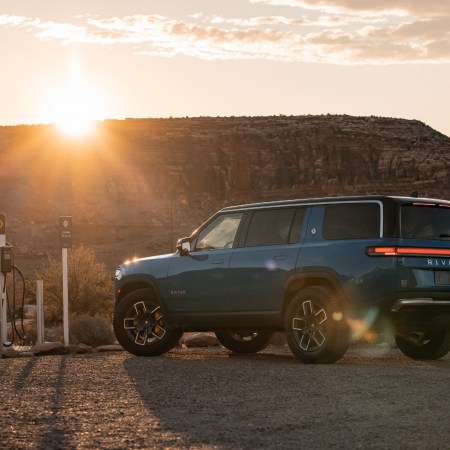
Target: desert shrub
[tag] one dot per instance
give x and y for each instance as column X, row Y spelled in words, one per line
column 90, row 330
column 84, row 329
column 90, row 286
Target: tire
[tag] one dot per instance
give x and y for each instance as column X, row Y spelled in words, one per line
column 244, row 341
column 315, row 326
column 432, row 345
column 140, row 326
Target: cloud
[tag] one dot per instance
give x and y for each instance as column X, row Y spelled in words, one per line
column 11, row 20
column 339, row 37
column 408, row 7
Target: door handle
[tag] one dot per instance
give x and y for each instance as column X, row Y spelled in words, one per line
column 217, row 261
column 280, row 258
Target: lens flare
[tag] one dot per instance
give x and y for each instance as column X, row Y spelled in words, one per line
column 271, row 265
column 361, row 322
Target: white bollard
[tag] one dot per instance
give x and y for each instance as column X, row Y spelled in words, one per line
column 40, row 338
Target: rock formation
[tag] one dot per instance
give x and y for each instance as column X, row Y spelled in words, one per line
column 138, row 184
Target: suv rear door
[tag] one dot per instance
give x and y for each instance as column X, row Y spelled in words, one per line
column 265, row 258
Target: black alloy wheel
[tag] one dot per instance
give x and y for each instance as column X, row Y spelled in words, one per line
column 140, row 326
column 315, row 326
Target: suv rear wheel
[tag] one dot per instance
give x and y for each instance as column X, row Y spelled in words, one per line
column 315, row 326
column 140, row 326
column 244, row 341
column 430, row 345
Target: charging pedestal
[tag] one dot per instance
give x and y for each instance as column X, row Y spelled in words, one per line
column 65, row 236
column 3, row 315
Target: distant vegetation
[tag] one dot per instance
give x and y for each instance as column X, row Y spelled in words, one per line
column 90, row 287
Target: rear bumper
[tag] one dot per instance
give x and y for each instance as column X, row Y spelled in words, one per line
column 402, row 302
column 421, row 314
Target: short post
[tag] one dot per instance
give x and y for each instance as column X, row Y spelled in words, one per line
column 40, row 338
column 4, row 315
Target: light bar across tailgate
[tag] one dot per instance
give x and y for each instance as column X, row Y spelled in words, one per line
column 407, row 251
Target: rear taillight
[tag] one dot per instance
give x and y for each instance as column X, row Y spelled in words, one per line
column 382, row 251
column 407, row 251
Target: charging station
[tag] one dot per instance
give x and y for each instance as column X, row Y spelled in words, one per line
column 7, row 266
column 3, row 328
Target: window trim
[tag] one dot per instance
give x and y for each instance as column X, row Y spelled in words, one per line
column 309, row 206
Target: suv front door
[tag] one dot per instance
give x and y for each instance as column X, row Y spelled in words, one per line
column 198, row 281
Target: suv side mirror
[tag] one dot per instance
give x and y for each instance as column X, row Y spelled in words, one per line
column 184, row 246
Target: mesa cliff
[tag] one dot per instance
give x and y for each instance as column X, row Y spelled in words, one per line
column 136, row 185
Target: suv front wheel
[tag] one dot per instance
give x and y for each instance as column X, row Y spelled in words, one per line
column 140, row 325
column 316, row 330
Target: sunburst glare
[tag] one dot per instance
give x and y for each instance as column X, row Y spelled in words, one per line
column 76, row 105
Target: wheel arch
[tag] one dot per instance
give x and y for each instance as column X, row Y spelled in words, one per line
column 321, row 279
column 135, row 284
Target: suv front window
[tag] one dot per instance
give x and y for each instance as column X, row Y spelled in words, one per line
column 422, row 221
column 220, row 233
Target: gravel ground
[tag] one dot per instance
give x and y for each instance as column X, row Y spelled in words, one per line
column 209, row 398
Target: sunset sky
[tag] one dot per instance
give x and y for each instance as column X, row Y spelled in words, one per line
column 104, row 59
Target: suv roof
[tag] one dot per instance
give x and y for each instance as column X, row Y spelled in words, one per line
column 324, row 200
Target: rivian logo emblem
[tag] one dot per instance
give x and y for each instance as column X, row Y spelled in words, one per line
column 178, row 292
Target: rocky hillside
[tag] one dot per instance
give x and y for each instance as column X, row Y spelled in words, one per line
column 138, row 184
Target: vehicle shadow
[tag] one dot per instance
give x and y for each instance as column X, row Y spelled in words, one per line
column 216, row 398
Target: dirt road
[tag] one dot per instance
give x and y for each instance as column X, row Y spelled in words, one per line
column 209, row 398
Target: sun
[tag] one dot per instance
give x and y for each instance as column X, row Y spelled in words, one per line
column 75, row 125
column 75, row 114
column 77, row 99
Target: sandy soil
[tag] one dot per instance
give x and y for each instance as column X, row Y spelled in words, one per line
column 209, row 398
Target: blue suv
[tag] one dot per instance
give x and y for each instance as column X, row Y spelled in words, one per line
column 325, row 271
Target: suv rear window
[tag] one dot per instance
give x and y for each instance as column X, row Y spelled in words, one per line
column 274, row 227
column 425, row 221
column 352, row 221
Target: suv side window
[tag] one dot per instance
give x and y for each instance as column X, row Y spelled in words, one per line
column 352, row 221
column 274, row 227
column 220, row 233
